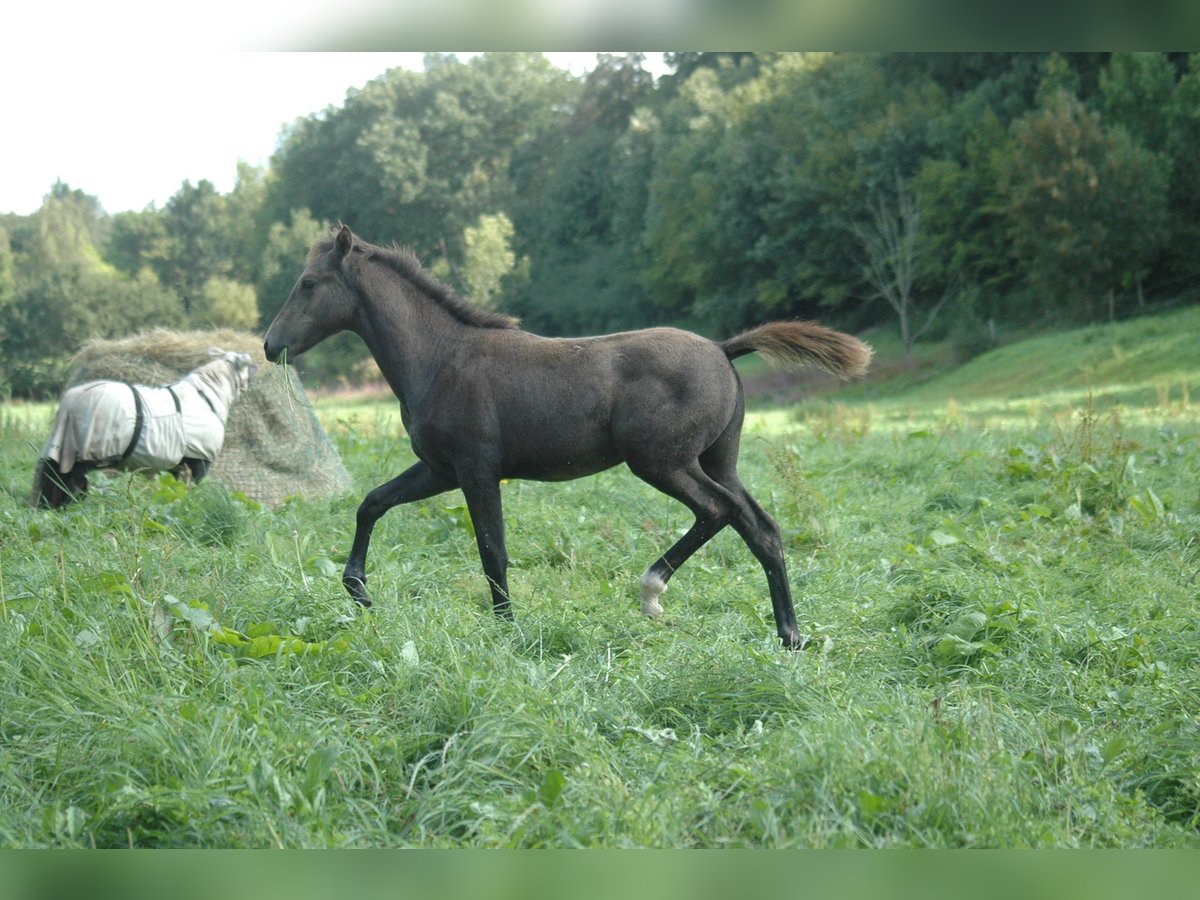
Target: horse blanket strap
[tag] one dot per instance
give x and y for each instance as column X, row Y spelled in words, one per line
column 203, row 397
column 139, row 422
column 175, row 397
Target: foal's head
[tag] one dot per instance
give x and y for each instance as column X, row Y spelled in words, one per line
column 321, row 303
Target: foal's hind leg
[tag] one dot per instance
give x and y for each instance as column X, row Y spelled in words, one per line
column 713, row 509
column 482, row 493
column 760, row 533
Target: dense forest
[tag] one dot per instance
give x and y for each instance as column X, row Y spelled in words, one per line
column 945, row 195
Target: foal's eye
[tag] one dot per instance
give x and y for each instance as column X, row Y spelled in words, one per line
column 307, row 284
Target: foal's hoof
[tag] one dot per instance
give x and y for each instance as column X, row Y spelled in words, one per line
column 797, row 641
column 652, row 609
column 357, row 588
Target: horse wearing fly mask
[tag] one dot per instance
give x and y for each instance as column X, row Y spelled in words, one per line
column 112, row 424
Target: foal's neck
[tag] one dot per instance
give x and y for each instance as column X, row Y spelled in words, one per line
column 410, row 334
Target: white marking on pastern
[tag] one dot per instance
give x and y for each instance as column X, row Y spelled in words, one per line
column 652, row 588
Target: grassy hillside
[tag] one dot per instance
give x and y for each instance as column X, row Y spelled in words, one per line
column 1133, row 361
column 1001, row 576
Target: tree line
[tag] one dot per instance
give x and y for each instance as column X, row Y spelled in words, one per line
column 950, row 194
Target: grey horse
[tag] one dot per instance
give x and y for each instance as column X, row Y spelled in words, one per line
column 113, row 424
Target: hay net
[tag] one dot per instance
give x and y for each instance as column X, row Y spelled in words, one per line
column 274, row 446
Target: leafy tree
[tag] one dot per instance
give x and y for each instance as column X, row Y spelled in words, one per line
column 681, row 236
column 129, row 305
column 63, row 293
column 740, row 187
column 8, row 290
column 1137, row 89
column 1086, row 205
column 245, row 222
column 8, row 278
column 55, row 269
column 54, row 314
column 957, row 74
column 197, row 240
column 419, row 157
column 1183, row 138
column 731, row 68
column 224, row 302
column 756, row 191
column 282, row 260
column 67, row 230
column 956, row 187
column 489, row 256
column 138, row 242
column 579, row 207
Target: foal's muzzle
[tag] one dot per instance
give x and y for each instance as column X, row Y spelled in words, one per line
column 273, row 354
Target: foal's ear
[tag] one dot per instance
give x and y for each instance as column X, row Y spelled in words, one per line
column 343, row 242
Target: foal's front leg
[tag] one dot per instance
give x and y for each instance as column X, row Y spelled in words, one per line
column 416, row 483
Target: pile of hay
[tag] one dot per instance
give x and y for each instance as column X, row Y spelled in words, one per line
column 274, row 446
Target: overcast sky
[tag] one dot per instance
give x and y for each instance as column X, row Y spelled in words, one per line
column 130, row 125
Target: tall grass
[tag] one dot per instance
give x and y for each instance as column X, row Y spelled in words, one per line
column 1003, row 599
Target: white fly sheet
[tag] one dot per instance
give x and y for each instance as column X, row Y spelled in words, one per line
column 97, row 421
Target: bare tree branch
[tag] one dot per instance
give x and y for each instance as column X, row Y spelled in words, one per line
column 893, row 260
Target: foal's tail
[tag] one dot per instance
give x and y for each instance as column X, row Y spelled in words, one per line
column 792, row 344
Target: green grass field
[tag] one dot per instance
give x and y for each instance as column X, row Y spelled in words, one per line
column 1000, row 567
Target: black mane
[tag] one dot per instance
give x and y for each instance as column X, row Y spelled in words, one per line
column 406, row 264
